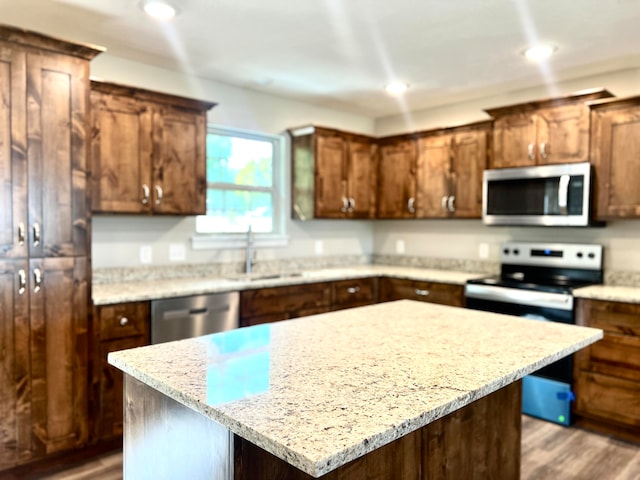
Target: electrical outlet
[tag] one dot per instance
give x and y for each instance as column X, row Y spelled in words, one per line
column 177, row 252
column 146, row 254
column 399, row 247
column 483, row 250
column 319, row 247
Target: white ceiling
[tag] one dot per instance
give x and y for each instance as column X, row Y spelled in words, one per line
column 340, row 53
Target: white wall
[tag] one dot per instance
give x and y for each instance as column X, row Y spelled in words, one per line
column 117, row 239
column 461, row 238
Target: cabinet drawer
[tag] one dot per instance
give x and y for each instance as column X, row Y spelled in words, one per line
column 123, row 320
column 613, row 317
column 284, row 300
column 608, row 398
column 354, row 293
column 442, row 293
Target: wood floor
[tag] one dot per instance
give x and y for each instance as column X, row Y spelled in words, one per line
column 549, row 452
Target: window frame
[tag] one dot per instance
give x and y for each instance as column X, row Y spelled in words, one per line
column 204, row 239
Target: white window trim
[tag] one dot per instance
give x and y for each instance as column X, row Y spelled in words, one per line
column 205, row 241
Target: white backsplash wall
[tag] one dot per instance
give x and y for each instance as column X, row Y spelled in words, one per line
column 461, row 239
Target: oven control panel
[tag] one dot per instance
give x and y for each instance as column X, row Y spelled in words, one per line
column 565, row 255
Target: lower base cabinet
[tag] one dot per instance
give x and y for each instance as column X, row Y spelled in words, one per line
column 116, row 327
column 607, row 373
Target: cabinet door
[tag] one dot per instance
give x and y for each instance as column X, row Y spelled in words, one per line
column 469, row 160
column 396, row 180
column 513, row 136
column 58, row 300
column 121, row 150
column 354, row 293
column 330, row 177
column 361, row 178
column 13, row 153
column 442, row 293
column 57, row 110
column 15, row 391
column 562, row 134
column 616, row 158
column 179, row 162
column 433, row 186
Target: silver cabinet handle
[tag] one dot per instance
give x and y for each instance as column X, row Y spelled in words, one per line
column 37, row 280
column 145, row 194
column 422, row 293
column 451, row 204
column 21, row 233
column 123, row 321
column 158, row 194
column 410, row 205
column 345, row 205
column 532, row 151
column 563, row 193
column 543, row 150
column 352, row 204
column 444, row 203
column 22, row 282
column 353, row 289
column 36, row 234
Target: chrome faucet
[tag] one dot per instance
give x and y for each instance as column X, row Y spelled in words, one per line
column 249, row 253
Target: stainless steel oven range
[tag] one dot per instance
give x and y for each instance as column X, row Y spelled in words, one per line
column 536, row 281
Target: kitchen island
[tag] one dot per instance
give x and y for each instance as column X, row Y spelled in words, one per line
column 397, row 390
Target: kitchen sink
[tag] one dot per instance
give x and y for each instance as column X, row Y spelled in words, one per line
column 252, row 277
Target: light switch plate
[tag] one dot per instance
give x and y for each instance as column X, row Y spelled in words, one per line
column 177, row 252
column 146, row 254
column 319, row 247
column 400, row 247
column 483, row 250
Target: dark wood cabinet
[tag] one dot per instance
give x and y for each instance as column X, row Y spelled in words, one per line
column 148, row 151
column 607, row 373
column 353, row 293
column 449, row 171
column 543, row 132
column 615, row 155
column 44, row 245
column 115, row 327
column 333, row 174
column 397, row 177
column 434, row 292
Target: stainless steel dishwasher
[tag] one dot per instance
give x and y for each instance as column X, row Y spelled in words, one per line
column 186, row 317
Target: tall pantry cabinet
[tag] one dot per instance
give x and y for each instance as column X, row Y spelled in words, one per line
column 44, row 245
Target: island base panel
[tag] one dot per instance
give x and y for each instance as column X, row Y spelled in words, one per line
column 165, row 440
column 479, row 441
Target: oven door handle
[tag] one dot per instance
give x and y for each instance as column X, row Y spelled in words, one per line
column 560, row 301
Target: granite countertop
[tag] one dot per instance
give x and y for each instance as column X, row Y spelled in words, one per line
column 104, row 294
column 611, row 293
column 321, row 393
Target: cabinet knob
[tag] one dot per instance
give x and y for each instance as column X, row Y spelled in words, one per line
column 123, row 321
column 21, row 233
column 543, row 150
column 345, row 205
column 422, row 293
column 532, row 151
column 451, row 204
column 36, row 234
column 443, row 203
column 352, row 204
column 353, row 289
column 22, row 282
column 145, row 194
column 37, row 280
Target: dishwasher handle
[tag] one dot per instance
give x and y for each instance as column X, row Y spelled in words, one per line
column 193, row 312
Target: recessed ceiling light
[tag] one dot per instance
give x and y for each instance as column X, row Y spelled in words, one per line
column 396, row 88
column 539, row 52
column 159, row 10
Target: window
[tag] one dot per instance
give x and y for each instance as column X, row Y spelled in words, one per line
column 243, row 183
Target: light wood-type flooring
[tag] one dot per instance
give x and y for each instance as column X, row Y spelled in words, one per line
column 549, row 452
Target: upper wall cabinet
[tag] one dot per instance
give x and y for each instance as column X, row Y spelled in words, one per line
column 148, row 151
column 449, row 171
column 397, row 177
column 333, row 174
column 615, row 154
column 543, row 132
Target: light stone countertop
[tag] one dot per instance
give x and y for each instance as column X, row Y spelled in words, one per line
column 104, row 294
column 321, row 391
column 611, row 293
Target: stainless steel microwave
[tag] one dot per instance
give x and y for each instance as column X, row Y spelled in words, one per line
column 544, row 195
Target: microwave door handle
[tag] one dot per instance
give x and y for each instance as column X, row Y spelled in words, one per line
column 563, row 194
